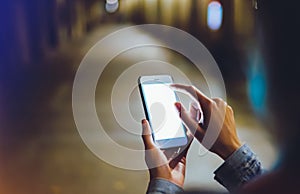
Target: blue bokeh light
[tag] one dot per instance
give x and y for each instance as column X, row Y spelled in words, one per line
column 257, row 84
column 214, row 15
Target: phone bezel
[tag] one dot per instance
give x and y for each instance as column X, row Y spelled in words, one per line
column 166, row 79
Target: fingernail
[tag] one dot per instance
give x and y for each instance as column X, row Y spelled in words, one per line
column 178, row 106
column 144, row 121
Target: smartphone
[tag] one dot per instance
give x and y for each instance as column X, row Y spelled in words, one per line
column 158, row 100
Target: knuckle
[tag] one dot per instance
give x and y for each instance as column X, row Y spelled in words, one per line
column 218, row 100
column 191, row 88
column 211, row 104
column 229, row 108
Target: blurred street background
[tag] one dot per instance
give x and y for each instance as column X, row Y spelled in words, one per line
column 42, row 45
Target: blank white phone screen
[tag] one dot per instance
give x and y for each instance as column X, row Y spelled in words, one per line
column 163, row 115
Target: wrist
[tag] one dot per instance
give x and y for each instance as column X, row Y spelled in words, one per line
column 154, row 174
column 179, row 183
column 229, row 150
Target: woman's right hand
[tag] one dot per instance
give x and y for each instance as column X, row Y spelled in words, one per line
column 217, row 116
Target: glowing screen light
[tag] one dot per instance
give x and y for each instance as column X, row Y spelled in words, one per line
column 214, row 15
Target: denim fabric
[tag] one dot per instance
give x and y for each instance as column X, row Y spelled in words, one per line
column 239, row 168
column 162, row 186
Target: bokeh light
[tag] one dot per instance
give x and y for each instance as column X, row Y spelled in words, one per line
column 257, row 84
column 111, row 6
column 214, row 15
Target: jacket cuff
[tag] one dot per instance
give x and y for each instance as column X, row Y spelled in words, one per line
column 160, row 186
column 239, row 168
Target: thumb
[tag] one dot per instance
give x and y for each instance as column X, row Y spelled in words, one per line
column 147, row 136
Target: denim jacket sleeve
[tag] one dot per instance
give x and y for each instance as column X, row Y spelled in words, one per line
column 239, row 168
column 162, row 186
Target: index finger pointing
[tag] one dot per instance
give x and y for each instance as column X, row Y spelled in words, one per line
column 195, row 93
